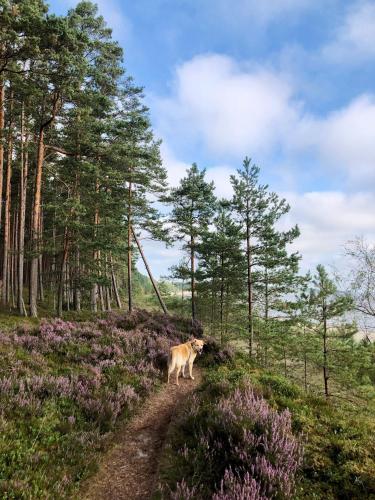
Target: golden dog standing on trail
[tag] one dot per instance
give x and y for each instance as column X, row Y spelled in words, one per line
column 182, row 354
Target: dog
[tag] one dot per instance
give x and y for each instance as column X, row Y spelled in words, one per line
column 182, row 354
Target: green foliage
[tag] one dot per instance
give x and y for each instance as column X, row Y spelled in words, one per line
column 193, row 204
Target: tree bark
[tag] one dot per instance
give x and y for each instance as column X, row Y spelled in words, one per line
column 22, row 213
column 101, row 298
column 130, row 297
column 114, row 284
column 325, row 353
column 192, row 272
column 266, row 312
column 94, row 289
column 13, row 283
column 64, row 259
column 7, row 207
column 249, row 285
column 222, row 304
column 77, row 289
column 36, row 212
column 154, row 284
column 35, row 236
column 40, row 263
column 2, row 121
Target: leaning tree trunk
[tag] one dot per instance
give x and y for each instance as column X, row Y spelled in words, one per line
column 154, row 284
column 114, row 284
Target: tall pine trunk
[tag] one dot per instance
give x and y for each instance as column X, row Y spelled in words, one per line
column 130, row 294
column 36, row 212
column 77, row 284
column 192, row 272
column 40, row 262
column 13, row 282
column 2, row 122
column 64, row 259
column 22, row 213
column 222, row 303
column 35, row 225
column 325, row 352
column 94, row 289
column 7, row 214
column 266, row 313
column 249, row 285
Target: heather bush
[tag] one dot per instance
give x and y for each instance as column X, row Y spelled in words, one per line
column 214, row 354
column 338, row 441
column 63, row 387
column 236, row 447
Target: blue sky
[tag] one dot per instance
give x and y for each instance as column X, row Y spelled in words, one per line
column 289, row 83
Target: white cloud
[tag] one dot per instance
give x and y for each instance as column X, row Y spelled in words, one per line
column 327, row 220
column 355, row 39
column 227, row 109
column 220, row 175
column 176, row 169
column 344, row 139
column 230, row 108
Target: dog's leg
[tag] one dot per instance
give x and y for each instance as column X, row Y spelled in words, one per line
column 191, row 370
column 183, row 370
column 177, row 374
column 171, row 367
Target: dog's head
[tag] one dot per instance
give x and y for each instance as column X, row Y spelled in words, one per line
column 197, row 345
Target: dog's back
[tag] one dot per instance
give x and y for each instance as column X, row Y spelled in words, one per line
column 178, row 356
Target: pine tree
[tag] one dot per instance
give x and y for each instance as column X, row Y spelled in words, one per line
column 326, row 307
column 275, row 277
column 250, row 202
column 193, row 203
column 77, row 129
column 222, row 265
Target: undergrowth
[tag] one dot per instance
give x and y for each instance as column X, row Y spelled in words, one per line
column 249, row 434
column 64, row 388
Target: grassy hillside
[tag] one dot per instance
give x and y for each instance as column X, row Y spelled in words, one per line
column 64, row 388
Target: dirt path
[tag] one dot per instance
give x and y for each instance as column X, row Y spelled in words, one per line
column 129, row 470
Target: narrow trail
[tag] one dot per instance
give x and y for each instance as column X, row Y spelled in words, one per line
column 130, row 468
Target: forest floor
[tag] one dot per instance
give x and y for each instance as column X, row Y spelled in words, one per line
column 130, row 469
